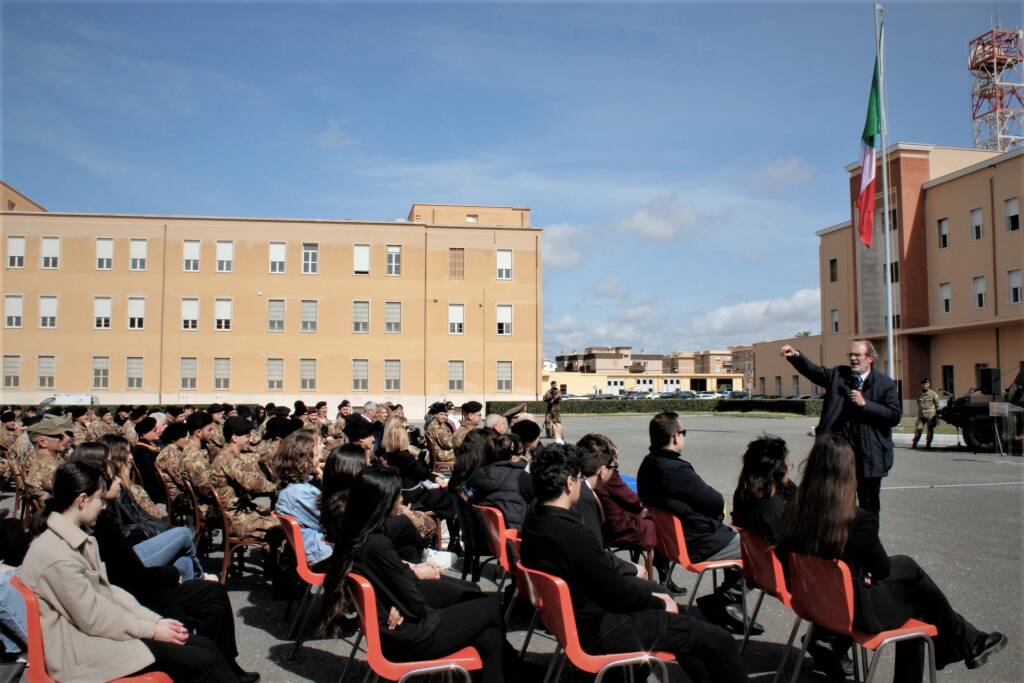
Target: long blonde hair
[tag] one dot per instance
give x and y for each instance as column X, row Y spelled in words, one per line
column 396, row 435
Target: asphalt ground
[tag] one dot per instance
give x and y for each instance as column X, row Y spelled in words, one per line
column 960, row 515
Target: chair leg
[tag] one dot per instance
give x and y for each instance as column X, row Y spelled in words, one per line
column 753, row 620
column 558, row 671
column 696, row 586
column 228, row 550
column 351, row 656
column 310, row 604
column 874, row 664
column 298, row 612
column 529, row 633
column 511, row 604
column 554, row 662
column 803, row 653
column 785, row 651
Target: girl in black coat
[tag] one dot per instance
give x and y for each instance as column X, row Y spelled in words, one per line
column 764, row 488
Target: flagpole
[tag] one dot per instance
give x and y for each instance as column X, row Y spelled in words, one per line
column 880, row 53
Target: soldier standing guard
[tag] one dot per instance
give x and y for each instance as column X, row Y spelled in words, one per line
column 927, row 408
column 553, row 415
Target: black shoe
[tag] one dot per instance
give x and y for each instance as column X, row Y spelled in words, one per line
column 248, row 677
column 455, row 547
column 829, row 665
column 726, row 616
column 985, row 645
column 735, row 613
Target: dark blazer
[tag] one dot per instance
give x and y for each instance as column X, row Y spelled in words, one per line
column 762, row 516
column 869, row 428
column 622, row 508
column 668, row 482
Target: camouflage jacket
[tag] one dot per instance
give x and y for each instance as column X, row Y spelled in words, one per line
column 7, row 438
column 927, row 404
column 460, row 434
column 79, row 433
column 22, row 449
column 39, row 476
column 439, row 441
column 553, row 398
column 216, row 441
column 99, row 429
column 168, row 463
column 128, row 431
column 266, row 451
column 194, row 467
column 237, row 478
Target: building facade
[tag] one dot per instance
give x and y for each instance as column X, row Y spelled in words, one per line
column 615, row 369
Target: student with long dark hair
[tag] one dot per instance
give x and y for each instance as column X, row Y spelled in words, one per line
column 764, row 487
column 296, row 466
column 823, row 520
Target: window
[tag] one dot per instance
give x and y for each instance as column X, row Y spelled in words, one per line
column 190, row 314
column 308, row 315
column 472, row 218
column 945, row 297
column 834, row 317
column 504, row 375
column 360, row 374
column 456, row 375
column 310, row 258
column 504, row 319
column 943, row 233
column 897, row 322
column 278, row 251
column 45, row 367
column 977, row 224
column 275, row 374
column 760, row 384
column 360, row 317
column 1011, row 209
column 392, row 375
column 190, row 256
column 222, row 373
column 137, row 255
column 361, row 259
column 222, row 314
column 456, row 318
column 101, row 308
column 136, row 312
column 100, row 372
column 189, row 370
column 394, row 260
column 833, row 270
column 947, row 379
column 104, row 253
column 307, row 374
column 778, row 385
column 12, row 310
column 456, row 264
column 47, row 312
column 275, row 315
column 504, row 264
column 15, row 252
column 978, row 367
column 225, row 256
column 10, row 205
column 978, row 291
column 12, row 371
column 51, row 252
column 894, row 272
column 796, row 384
column 1013, row 289
column 133, row 372
column 393, row 316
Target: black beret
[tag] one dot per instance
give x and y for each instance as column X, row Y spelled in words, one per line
column 124, row 409
column 100, row 412
column 236, row 426
column 321, row 404
column 358, row 429
column 471, row 407
column 175, row 411
column 438, row 407
column 227, row 407
column 138, row 413
column 300, row 407
column 344, row 404
column 78, row 411
column 526, row 430
column 197, row 421
column 281, row 411
column 174, row 431
column 8, row 416
column 280, row 427
column 145, row 425
column 214, row 408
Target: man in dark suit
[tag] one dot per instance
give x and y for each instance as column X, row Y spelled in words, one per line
column 861, row 404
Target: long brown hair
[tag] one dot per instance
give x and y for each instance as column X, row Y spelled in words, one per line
column 818, row 518
column 293, row 460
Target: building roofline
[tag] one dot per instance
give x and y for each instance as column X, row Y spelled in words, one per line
column 1006, row 156
column 474, row 206
column 834, row 228
column 912, row 147
column 17, row 191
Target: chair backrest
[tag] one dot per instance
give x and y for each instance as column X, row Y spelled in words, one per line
column 225, row 522
column 671, row 539
column 293, row 532
column 36, row 670
column 474, row 535
column 172, row 513
column 197, row 512
column 761, row 566
column 822, row 591
column 365, row 601
column 497, row 533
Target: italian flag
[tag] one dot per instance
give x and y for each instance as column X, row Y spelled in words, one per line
column 872, row 129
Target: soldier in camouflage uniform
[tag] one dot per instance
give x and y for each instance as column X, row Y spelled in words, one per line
column 927, row 409
column 9, row 431
column 79, row 425
column 128, row 428
column 103, row 424
column 216, row 440
column 194, row 466
column 337, row 429
column 168, row 461
column 553, row 415
column 50, row 438
column 439, row 440
column 237, row 477
column 471, row 416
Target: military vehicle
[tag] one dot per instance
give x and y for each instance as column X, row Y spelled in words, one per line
column 970, row 413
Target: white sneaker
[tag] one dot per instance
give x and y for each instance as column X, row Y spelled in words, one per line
column 442, row 559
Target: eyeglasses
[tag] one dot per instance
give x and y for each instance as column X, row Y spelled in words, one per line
column 856, row 355
column 613, row 466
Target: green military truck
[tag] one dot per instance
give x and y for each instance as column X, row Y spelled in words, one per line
column 982, row 431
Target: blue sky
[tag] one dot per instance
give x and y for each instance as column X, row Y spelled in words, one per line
column 680, row 156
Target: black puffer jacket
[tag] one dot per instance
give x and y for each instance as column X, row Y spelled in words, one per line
column 506, row 486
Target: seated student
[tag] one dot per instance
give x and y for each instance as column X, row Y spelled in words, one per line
column 297, row 465
column 237, row 477
column 528, row 431
column 168, row 462
column 98, row 631
column 469, row 457
column 614, row 613
column 144, row 453
column 121, row 460
column 823, row 520
column 502, row 480
column 277, row 429
column 421, row 489
column 626, row 520
column 764, row 488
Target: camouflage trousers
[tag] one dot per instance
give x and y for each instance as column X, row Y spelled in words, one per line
column 252, row 523
column 550, row 419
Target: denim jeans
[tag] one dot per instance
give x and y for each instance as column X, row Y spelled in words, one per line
column 173, row 546
column 12, row 616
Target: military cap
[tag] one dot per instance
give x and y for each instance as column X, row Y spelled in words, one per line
column 100, row 412
column 236, row 426
column 145, row 425
column 438, row 407
column 174, row 431
column 471, row 407
column 50, row 425
column 175, row 411
column 8, row 416
column 124, row 409
column 197, row 421
column 509, row 414
column 279, row 427
column 344, row 404
column 78, row 411
column 358, row 429
column 138, row 413
column 214, row 408
column 526, row 430
column 281, row 411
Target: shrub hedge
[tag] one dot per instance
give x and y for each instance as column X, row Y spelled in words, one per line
column 657, row 405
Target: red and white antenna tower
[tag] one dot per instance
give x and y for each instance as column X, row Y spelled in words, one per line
column 997, row 95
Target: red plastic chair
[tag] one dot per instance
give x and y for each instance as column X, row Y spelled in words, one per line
column 465, row 660
column 823, row 594
column 552, row 596
column 36, row 671
column 497, row 536
column 762, row 570
column 672, row 545
column 312, row 579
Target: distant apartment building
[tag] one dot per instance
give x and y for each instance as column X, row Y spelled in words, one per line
column 615, row 369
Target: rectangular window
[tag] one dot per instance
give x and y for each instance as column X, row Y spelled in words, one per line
column 504, row 319
column 796, row 385
column 361, row 259
column 894, row 272
column 394, row 263
column 897, row 322
column 12, row 310
column 101, row 311
column 456, row 264
column 307, row 374
column 225, row 256
column 275, row 374
column 190, row 252
column 12, row 371
column 833, row 270
column 100, row 372
column 275, row 315
column 51, row 252
column 472, row 218
column 45, row 370
column 15, row 251
column 278, row 251
column 48, row 312
column 978, row 290
column 977, row 224
column 456, row 375
column 947, row 379
column 393, row 316
column 392, row 375
column 456, row 318
column 1011, row 209
column 137, row 254
column 133, row 372
column 222, row 314
column 310, row 258
column 943, row 233
column 504, row 264
column 360, row 374
column 222, row 373
column 189, row 371
column 360, row 317
column 834, row 317
column 945, row 297
column 136, row 312
column 1013, row 289
column 504, row 375
column 778, row 385
column 308, row 315
column 104, row 253
column 190, row 314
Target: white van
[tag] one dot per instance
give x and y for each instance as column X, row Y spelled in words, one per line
column 68, row 400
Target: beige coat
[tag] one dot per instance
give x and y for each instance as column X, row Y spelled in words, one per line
column 91, row 629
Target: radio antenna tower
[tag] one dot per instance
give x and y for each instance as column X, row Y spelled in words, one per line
column 996, row 62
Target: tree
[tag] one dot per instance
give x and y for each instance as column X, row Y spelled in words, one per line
column 803, row 333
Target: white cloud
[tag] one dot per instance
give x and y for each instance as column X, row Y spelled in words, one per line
column 782, row 173
column 635, row 313
column 562, row 245
column 668, row 216
column 333, row 137
column 610, row 287
column 761, row 319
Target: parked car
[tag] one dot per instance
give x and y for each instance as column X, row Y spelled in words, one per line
column 738, row 394
column 706, row 394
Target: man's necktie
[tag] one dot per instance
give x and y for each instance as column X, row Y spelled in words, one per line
column 858, row 382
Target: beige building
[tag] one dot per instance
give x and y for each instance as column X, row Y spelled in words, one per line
column 615, row 369
column 583, row 383
column 180, row 309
